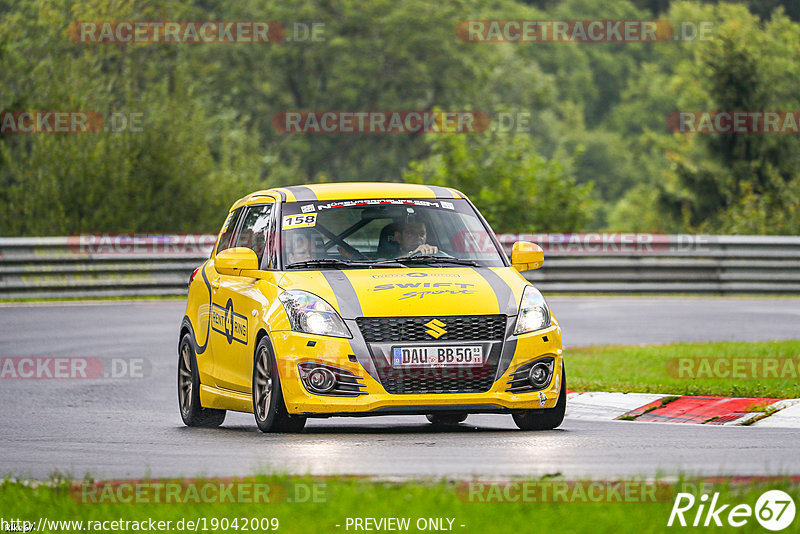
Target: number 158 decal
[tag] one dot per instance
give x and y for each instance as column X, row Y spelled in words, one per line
column 299, row 221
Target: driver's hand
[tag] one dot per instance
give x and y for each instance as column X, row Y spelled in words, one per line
column 425, row 250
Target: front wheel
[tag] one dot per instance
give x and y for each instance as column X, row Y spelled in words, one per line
column 545, row 419
column 192, row 413
column 268, row 405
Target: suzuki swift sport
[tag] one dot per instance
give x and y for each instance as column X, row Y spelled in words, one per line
column 366, row 299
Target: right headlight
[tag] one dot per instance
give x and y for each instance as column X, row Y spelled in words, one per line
column 310, row 314
column 533, row 312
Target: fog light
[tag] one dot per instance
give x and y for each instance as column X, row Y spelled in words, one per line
column 539, row 375
column 321, row 380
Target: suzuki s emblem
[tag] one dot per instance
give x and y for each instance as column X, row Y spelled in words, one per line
column 435, row 328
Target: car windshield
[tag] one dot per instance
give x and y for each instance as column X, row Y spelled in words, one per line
column 385, row 233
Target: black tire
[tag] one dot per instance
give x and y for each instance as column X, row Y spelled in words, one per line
column 289, row 424
column 192, row 413
column 545, row 419
column 446, row 419
column 269, row 408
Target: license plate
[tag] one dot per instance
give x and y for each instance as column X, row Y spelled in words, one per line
column 438, row 356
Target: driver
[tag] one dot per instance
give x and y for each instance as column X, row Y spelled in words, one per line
column 412, row 239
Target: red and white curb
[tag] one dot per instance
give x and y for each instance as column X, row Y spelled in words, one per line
column 787, row 416
column 705, row 410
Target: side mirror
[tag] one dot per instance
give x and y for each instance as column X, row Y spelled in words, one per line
column 526, row 256
column 232, row 261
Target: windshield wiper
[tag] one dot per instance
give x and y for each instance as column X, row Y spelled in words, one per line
column 331, row 262
column 402, row 262
column 428, row 258
column 379, row 263
column 327, row 262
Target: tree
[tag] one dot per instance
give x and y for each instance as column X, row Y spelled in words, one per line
column 515, row 188
column 715, row 175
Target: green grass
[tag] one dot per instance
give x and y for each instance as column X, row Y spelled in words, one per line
column 647, row 369
column 361, row 498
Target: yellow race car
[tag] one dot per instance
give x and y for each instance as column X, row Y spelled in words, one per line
column 357, row 299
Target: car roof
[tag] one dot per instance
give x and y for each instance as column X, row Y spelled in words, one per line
column 347, row 191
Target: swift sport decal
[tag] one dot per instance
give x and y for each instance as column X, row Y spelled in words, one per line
column 406, row 285
column 422, row 294
column 428, row 288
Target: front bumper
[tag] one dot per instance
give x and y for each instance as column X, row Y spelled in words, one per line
column 293, row 348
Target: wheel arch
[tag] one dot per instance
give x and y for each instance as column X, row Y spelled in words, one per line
column 261, row 334
column 186, row 328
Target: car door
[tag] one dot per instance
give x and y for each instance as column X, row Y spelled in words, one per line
column 199, row 309
column 235, row 304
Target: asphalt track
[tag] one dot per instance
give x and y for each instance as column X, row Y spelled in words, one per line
column 127, row 427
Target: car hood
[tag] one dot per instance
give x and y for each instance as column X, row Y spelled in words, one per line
column 413, row 292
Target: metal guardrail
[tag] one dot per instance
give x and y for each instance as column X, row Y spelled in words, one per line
column 123, row 266
column 649, row 263
column 98, row 266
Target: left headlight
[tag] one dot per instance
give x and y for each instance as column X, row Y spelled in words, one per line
column 310, row 314
column 533, row 312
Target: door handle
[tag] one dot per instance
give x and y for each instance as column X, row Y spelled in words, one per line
column 215, row 283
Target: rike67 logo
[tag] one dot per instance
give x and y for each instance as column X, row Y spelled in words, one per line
column 774, row 510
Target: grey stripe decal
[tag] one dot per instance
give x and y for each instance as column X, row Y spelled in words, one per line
column 349, row 306
column 505, row 297
column 509, row 347
column 441, row 192
column 302, row 193
column 361, row 351
column 508, row 306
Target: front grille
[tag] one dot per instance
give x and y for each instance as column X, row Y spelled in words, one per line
column 475, row 380
column 457, row 328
